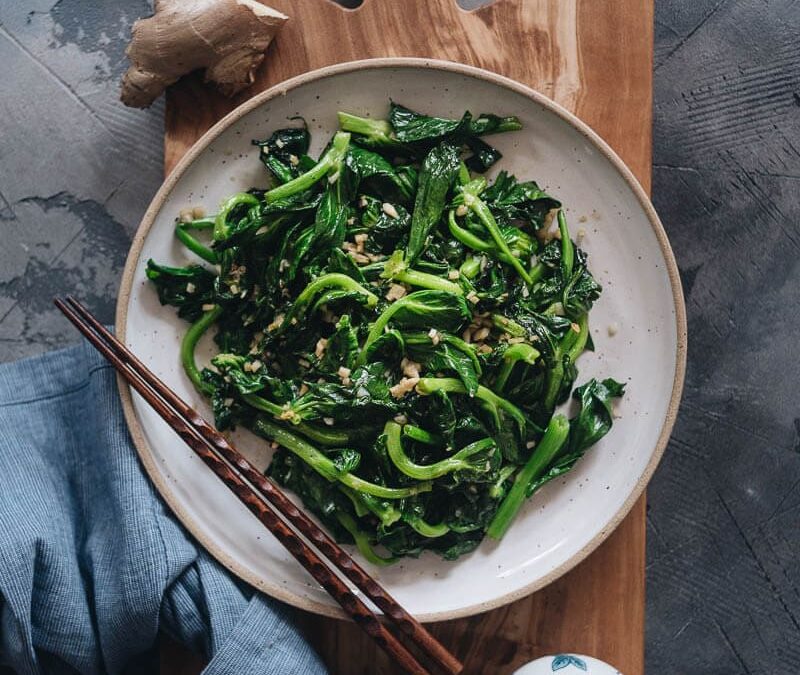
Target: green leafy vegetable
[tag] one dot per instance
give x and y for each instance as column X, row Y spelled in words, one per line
column 397, row 268
column 182, row 233
column 512, row 200
column 375, row 134
column 284, row 153
column 542, row 456
column 378, row 175
column 592, row 423
column 187, row 288
column 436, row 177
column 437, row 310
column 475, row 458
column 329, row 165
column 418, row 130
column 402, row 330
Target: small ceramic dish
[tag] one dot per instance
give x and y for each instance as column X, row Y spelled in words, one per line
column 638, row 327
column 567, row 664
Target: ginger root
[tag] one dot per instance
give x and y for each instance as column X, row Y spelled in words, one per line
column 227, row 38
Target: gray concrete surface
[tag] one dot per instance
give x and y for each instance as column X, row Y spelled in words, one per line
column 77, row 168
column 724, row 538
column 77, row 171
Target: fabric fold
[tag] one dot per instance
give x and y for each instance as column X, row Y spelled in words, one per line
column 92, row 563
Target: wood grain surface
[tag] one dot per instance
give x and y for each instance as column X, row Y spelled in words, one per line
column 593, row 57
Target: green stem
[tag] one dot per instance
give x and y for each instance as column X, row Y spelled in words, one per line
column 554, row 437
column 281, row 172
column 537, row 271
column 518, row 352
column 470, row 267
column 420, row 435
column 331, row 160
column 508, row 326
column 325, row 466
column 428, row 385
column 327, row 437
column 373, row 270
column 425, row 528
column 571, row 346
column 380, row 323
column 479, row 208
column 193, row 244
column 427, row 280
column 511, row 123
column 359, row 508
column 555, row 309
column 553, row 385
column 362, row 539
column 260, row 403
column 332, row 280
column 385, row 511
column 377, row 132
column 472, row 241
column 567, row 249
column 221, row 227
column 575, row 342
column 502, row 476
column 404, row 464
column 366, row 126
column 189, row 344
column 397, row 269
column 463, row 173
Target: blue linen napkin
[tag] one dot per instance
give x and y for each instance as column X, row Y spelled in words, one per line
column 92, row 564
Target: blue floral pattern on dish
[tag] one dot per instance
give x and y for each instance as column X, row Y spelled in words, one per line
column 563, row 660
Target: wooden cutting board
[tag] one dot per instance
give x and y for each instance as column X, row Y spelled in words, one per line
column 593, row 57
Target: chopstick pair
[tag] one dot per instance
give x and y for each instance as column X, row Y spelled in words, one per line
column 270, row 505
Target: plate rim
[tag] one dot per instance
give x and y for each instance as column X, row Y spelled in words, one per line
column 145, row 453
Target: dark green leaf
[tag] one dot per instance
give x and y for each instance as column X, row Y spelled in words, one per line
column 432, row 309
column 581, row 292
column 410, row 126
column 596, row 415
column 438, row 172
column 446, row 359
column 187, row 288
column 342, row 348
column 592, row 422
column 515, row 200
column 436, row 413
column 388, row 347
column 318, row 495
column 281, row 152
column 386, row 233
column 377, row 175
column 346, row 460
column 339, row 261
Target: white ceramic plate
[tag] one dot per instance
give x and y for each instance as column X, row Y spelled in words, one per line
column 629, row 254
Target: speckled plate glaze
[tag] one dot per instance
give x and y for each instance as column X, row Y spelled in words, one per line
column 629, row 254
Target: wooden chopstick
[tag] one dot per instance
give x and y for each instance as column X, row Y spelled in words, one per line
column 245, row 480
column 267, row 488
